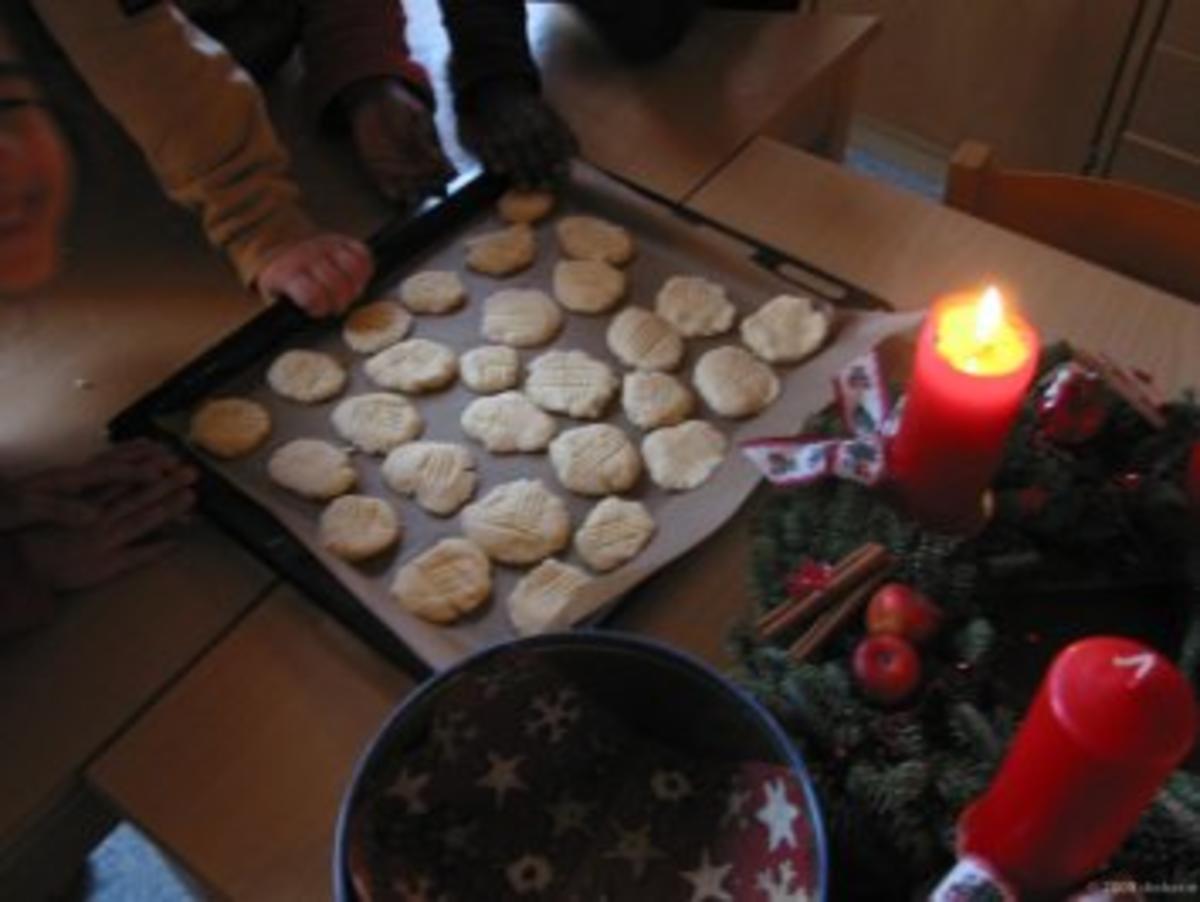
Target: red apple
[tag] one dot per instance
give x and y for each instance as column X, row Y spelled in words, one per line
column 887, row 668
column 900, row 610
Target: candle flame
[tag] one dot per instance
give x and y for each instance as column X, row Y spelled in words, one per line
column 990, row 316
column 979, row 337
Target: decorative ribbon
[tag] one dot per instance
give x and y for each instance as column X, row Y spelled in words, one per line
column 868, row 415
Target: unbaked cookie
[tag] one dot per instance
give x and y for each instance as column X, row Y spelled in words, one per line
column 519, row 522
column 507, row 423
column 786, row 329
column 357, row 527
column 433, row 291
column 440, row 475
column 417, row 365
column 588, row 286
column 614, row 532
column 230, row 427
column 541, row 600
column 521, row 317
column 442, row 584
column 373, row 327
column 595, row 460
column 653, row 400
column 376, row 422
column 312, row 469
column 306, row 376
column 696, row 307
column 528, row 206
column 644, row 340
column 735, row 383
column 589, row 238
column 684, row 456
column 502, row 253
column 571, row 382
column 490, row 369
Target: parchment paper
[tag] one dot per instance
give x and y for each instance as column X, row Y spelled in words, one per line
column 667, row 245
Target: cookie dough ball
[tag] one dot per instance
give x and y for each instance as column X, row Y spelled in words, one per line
column 521, row 318
column 451, row 579
column 786, row 329
column 588, row 286
column 373, row 327
column 230, row 428
column 502, row 253
column 433, row 291
column 508, row 423
column 571, row 382
column 306, row 376
column 595, row 460
column 520, row 205
column 589, row 238
column 682, row 457
column 614, row 532
column 377, row 422
column 417, row 365
column 357, row 527
column 644, row 340
column 696, row 307
column 312, row 469
column 518, row 522
column 490, row 369
column 541, row 601
column 735, row 383
column 653, row 400
column 440, row 475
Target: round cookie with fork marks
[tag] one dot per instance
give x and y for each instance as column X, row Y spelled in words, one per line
column 521, row 317
column 519, row 205
column 652, row 400
column 306, row 376
column 588, row 286
column 508, row 423
column 433, row 291
column 644, row 340
column 595, row 460
column 417, row 365
column 786, row 329
column 683, row 457
column 502, row 253
column 448, row 581
column 542, row 598
column 312, row 469
column 230, row 428
column 591, row 238
column 735, row 383
column 519, row 522
column 358, row 527
column 440, row 475
column 571, row 382
column 490, row 369
column 696, row 307
column 376, row 422
column 614, row 532
column 373, row 327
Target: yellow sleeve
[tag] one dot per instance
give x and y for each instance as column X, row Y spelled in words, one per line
column 198, row 118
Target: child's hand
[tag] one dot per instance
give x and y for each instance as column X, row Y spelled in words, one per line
column 122, row 536
column 396, row 140
column 321, row 275
column 516, row 133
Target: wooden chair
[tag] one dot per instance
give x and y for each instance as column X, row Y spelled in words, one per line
column 1146, row 234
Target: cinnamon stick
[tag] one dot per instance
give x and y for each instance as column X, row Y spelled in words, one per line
column 834, row 620
column 765, row 622
column 864, row 563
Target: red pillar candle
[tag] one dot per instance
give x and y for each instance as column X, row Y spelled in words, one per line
column 975, row 359
column 1110, row 722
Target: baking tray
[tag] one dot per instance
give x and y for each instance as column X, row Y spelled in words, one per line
column 281, row 528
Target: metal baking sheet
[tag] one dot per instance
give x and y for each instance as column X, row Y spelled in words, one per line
column 668, row 244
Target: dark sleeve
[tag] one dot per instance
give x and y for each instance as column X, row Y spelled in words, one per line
column 487, row 42
column 24, row 602
column 345, row 41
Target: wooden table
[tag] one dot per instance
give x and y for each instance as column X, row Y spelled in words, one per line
column 142, row 295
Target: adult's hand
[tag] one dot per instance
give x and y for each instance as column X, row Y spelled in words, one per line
column 517, row 134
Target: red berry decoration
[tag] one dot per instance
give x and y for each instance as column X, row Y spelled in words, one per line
column 899, row 610
column 887, row 668
column 808, row 578
column 1072, row 409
